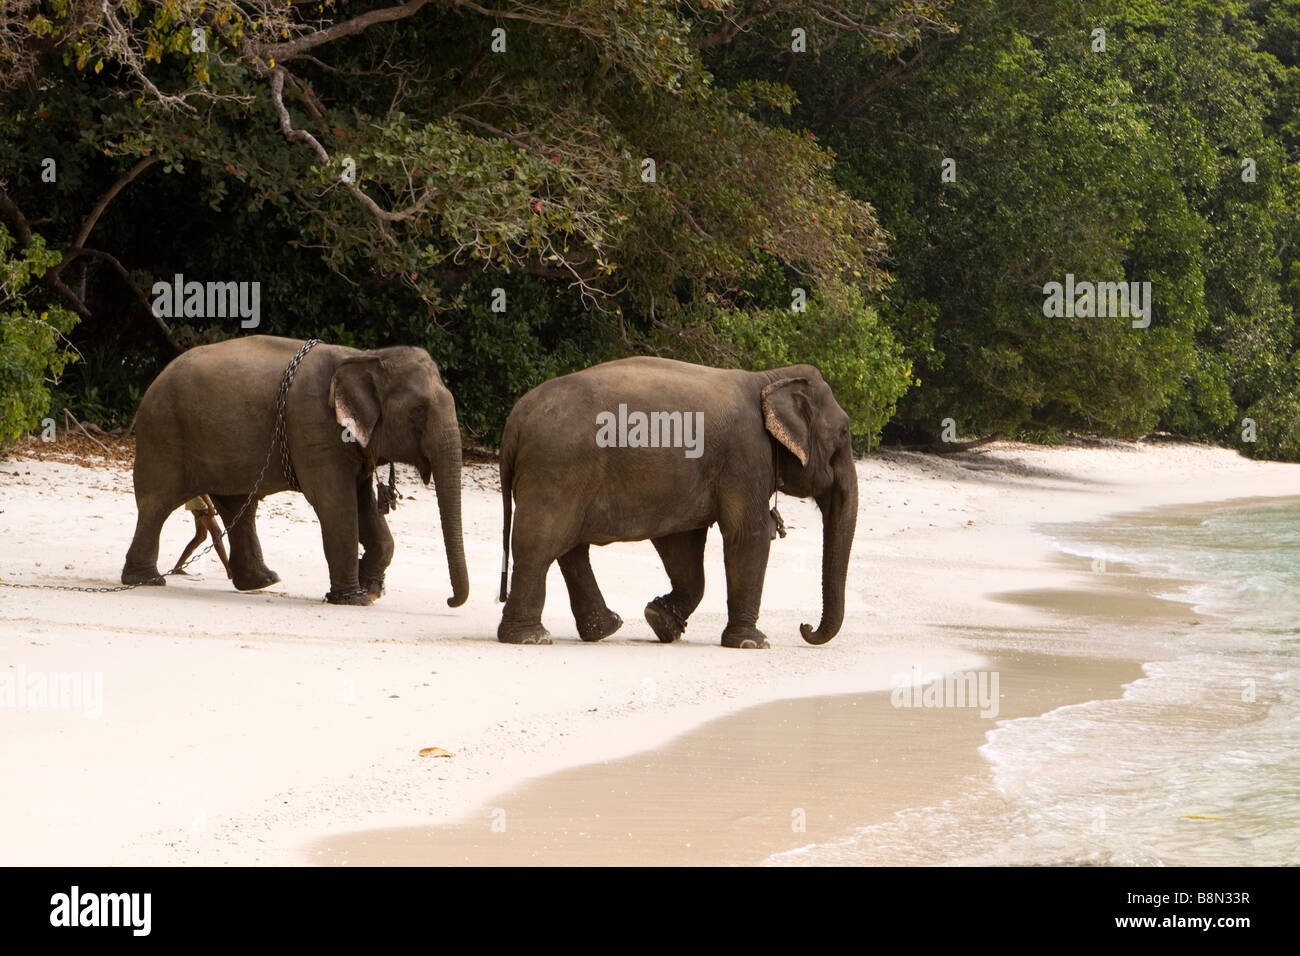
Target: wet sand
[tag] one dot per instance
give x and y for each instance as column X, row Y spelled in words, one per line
column 737, row 789
column 783, row 775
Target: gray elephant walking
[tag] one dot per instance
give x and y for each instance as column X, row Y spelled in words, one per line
column 650, row 448
column 206, row 423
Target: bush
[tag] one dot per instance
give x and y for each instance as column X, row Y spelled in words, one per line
column 838, row 333
column 1277, row 428
column 490, row 359
column 32, row 344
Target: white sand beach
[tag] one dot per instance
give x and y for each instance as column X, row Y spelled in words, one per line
column 242, row 728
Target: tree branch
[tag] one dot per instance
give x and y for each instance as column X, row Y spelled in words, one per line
column 15, row 216
column 302, row 136
column 293, row 48
column 23, row 228
column 89, row 224
column 126, row 277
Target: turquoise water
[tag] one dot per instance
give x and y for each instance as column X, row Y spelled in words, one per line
column 1197, row 764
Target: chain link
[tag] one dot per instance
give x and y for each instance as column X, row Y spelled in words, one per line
column 281, row 418
column 280, row 438
column 69, row 587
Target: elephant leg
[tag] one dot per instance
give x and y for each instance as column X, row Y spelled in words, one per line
column 521, row 618
column 745, row 550
column 595, row 619
column 375, row 538
column 141, row 565
column 248, row 571
column 683, row 558
column 334, row 498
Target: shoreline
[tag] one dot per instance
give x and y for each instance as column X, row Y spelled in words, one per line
column 783, row 791
column 244, row 728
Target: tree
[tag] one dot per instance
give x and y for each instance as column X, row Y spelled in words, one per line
column 418, row 149
column 32, row 345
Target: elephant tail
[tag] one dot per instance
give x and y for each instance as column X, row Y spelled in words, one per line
column 507, row 491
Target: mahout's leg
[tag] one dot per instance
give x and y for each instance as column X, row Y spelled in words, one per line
column 200, row 535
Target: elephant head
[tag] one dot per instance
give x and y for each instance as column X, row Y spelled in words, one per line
column 815, row 460
column 396, row 406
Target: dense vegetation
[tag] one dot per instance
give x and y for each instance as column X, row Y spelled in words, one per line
column 883, row 189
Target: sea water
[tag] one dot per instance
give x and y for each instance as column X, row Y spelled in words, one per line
column 1198, row 763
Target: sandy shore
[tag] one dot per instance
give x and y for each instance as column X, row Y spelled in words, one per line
column 242, row 728
column 794, row 772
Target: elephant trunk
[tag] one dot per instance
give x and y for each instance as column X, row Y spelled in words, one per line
column 839, row 509
column 446, row 479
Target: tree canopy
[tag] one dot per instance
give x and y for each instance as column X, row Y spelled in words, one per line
column 884, row 189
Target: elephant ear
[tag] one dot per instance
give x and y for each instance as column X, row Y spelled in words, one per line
column 355, row 398
column 787, row 414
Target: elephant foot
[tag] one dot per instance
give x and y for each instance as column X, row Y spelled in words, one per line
column 148, row 577
column 746, row 637
column 664, row 621
column 374, row 586
column 599, row 625
column 523, row 634
column 255, row 582
column 357, row 597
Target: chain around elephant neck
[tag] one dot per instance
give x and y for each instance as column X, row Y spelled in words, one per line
column 777, row 521
column 281, row 427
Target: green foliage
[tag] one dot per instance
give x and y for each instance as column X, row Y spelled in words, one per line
column 1048, row 181
column 774, row 169
column 1041, row 436
column 101, row 387
column 489, row 359
column 838, row 333
column 32, row 344
column 1115, row 164
column 1277, row 428
column 521, row 171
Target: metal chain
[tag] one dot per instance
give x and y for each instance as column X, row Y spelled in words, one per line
column 387, row 495
column 281, row 416
column 280, row 438
column 68, row 587
column 777, row 520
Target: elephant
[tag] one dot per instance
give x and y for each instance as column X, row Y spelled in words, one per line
column 710, row 446
column 207, row 425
